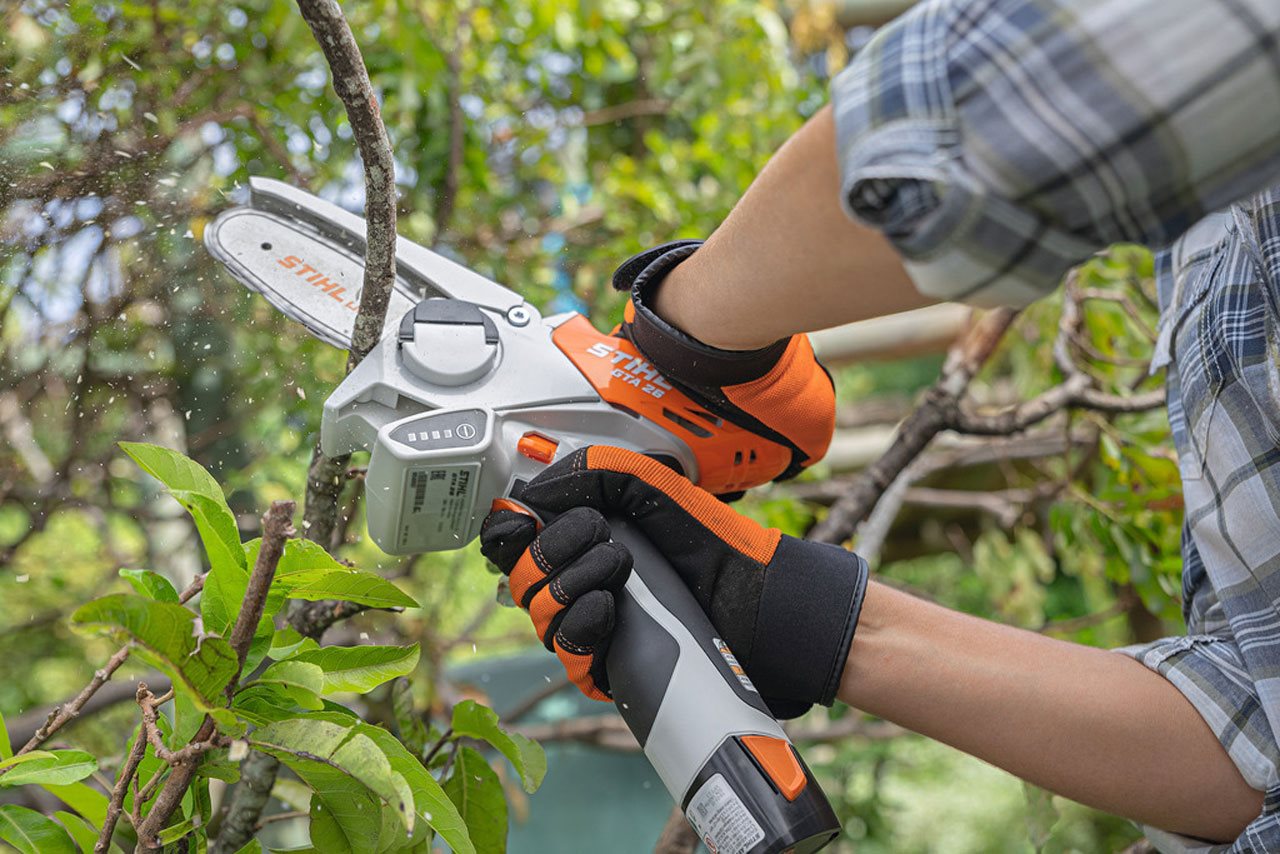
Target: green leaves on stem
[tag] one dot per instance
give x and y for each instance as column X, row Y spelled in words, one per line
column 368, row 791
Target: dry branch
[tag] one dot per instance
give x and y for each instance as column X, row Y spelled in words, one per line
column 917, row 431
column 882, row 488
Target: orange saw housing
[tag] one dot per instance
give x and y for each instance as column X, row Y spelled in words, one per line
column 730, row 458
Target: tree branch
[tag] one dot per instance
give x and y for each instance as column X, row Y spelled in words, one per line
column 944, row 408
column 351, row 83
column 257, row 776
column 918, row 430
column 626, row 110
column 1077, row 390
column 326, row 476
column 678, row 836
column 277, row 526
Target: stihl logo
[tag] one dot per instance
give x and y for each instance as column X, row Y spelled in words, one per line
column 632, row 370
column 318, row 279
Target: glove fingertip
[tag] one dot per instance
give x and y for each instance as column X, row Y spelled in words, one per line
column 588, row 621
column 504, row 536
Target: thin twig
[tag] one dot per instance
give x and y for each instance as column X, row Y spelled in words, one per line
column 121, row 787
column 282, row 816
column 151, row 729
column 435, row 748
column 277, row 526
column 531, row 702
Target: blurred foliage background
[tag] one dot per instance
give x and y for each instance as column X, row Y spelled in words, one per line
column 539, row 141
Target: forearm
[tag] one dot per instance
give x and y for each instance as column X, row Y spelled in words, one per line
column 1092, row 725
column 787, row 259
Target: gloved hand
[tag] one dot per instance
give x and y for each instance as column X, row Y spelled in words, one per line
column 780, row 392
column 786, row 607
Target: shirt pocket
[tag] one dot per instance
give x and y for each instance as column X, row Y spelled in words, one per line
column 1193, row 348
column 1251, row 321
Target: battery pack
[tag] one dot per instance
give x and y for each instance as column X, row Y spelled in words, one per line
column 758, row 798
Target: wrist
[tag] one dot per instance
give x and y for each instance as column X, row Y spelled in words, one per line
column 810, row 604
column 686, row 300
column 683, row 358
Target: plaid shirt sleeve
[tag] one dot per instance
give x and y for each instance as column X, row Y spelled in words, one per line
column 999, row 142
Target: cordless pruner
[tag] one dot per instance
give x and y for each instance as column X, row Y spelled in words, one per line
column 468, row 395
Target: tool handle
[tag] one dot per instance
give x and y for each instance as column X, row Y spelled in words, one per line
column 696, row 714
column 664, row 644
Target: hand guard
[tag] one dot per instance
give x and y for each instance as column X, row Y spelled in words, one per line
column 786, row 607
column 780, row 392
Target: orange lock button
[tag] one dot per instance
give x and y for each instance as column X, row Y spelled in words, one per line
column 779, row 761
column 537, row 448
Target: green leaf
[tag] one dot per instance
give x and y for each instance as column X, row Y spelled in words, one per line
column 224, row 589
column 299, row 556
column 32, row 833
column 476, row 791
column 349, row 585
column 82, row 832
column 57, row 768
column 287, row 641
column 342, row 766
column 299, row 680
column 153, row 585
column 6, row 749
column 307, row 571
column 413, row 732
column 174, row 832
column 306, row 565
column 227, row 722
column 201, row 665
column 430, row 801
column 253, row 846
column 197, row 491
column 293, row 793
column 360, row 669
column 217, row 765
column 264, row 704
column 224, row 592
column 86, row 800
column 345, row 823
column 473, row 720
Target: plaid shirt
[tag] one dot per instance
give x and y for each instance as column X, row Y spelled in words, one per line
column 1000, row 142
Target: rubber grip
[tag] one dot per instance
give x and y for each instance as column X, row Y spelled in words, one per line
column 670, row 673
